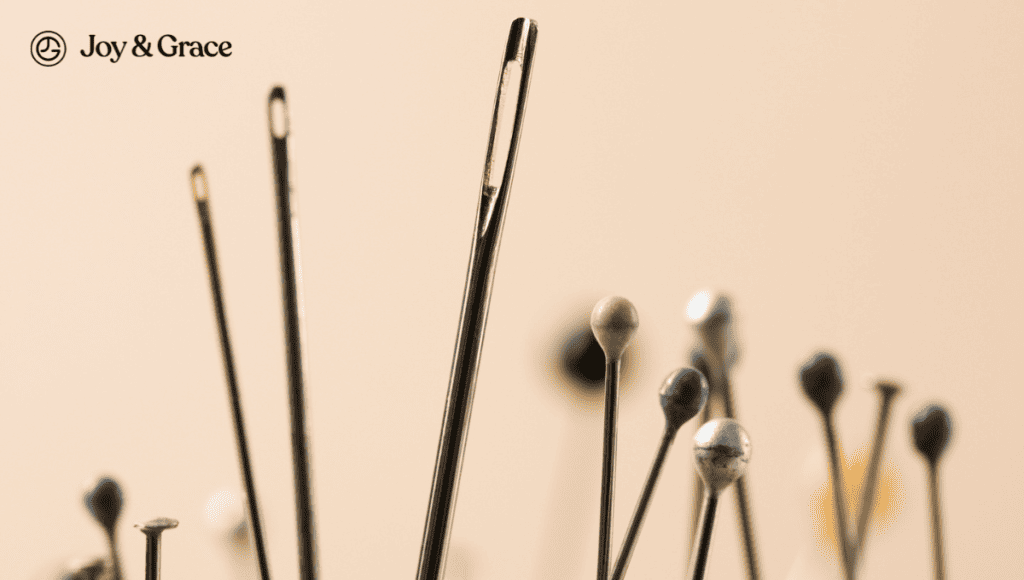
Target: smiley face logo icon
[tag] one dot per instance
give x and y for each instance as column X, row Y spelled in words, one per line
column 48, row 48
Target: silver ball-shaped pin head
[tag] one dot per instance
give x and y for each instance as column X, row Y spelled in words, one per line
column 614, row 321
column 932, row 428
column 683, row 395
column 822, row 381
column 104, row 502
column 721, row 452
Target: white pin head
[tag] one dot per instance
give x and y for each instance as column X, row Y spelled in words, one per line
column 710, row 314
column 614, row 321
column 683, row 395
column 721, row 452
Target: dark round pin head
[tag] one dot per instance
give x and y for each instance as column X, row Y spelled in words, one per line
column 104, row 502
column 614, row 321
column 822, row 381
column 683, row 395
column 932, row 428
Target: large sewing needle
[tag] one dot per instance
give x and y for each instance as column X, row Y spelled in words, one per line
column 291, row 285
column 201, row 194
column 888, row 391
column 496, row 184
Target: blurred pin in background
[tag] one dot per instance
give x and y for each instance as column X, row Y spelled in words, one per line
column 932, row 428
column 105, row 501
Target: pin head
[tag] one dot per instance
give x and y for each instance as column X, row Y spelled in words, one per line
column 104, row 502
column 683, row 394
column 721, row 452
column 156, row 526
column 932, row 428
column 614, row 320
column 888, row 388
column 711, row 315
column 822, row 381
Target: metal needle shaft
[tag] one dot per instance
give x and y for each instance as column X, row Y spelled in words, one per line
column 153, row 529
column 201, row 194
column 291, row 279
column 495, row 188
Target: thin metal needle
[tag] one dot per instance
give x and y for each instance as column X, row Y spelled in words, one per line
column 932, row 428
column 153, row 529
column 888, row 392
column 291, row 285
column 517, row 61
column 721, row 452
column 614, row 321
column 201, row 194
column 682, row 395
column 823, row 383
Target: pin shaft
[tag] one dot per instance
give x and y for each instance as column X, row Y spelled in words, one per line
column 867, row 497
column 702, row 547
column 473, row 319
column 838, row 498
column 205, row 223
column 611, row 397
column 937, row 551
column 626, row 551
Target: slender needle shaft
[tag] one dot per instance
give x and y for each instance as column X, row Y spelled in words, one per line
column 622, row 562
column 937, row 552
column 867, row 497
column 200, row 192
column 291, row 277
column 699, row 560
column 611, row 388
column 494, row 196
column 838, row 498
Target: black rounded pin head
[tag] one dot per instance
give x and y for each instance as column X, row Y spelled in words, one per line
column 822, row 381
column 614, row 321
column 104, row 502
column 932, row 428
column 683, row 395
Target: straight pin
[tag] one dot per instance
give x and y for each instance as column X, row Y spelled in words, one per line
column 105, row 501
column 721, row 452
column 682, row 395
column 888, row 391
column 516, row 61
column 153, row 529
column 201, row 195
column 931, row 429
column 823, row 383
column 295, row 332
column 614, row 321
column 712, row 317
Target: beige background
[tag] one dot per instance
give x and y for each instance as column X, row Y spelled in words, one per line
column 848, row 171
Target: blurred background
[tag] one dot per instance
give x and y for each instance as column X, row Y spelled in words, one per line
column 848, row 172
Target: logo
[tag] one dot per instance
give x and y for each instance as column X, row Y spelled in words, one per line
column 48, row 48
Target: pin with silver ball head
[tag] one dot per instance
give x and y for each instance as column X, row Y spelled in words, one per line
column 716, row 352
column 614, row 321
column 721, row 452
column 822, row 382
column 153, row 529
column 932, row 428
column 683, row 394
column 104, row 502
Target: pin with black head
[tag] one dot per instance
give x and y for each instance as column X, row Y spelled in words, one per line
column 932, row 429
column 721, row 452
column 614, row 321
column 104, row 502
column 822, row 382
column 682, row 395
